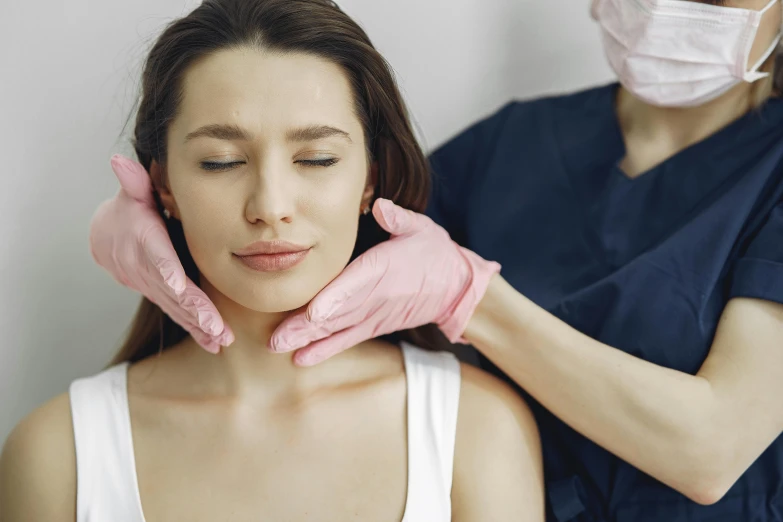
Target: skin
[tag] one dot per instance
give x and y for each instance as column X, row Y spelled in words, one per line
column 260, row 431
column 696, row 433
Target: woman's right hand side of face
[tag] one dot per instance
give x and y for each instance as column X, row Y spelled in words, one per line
column 129, row 240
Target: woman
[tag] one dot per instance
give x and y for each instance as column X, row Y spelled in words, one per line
column 267, row 127
column 640, row 229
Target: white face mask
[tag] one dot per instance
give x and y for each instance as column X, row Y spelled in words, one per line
column 674, row 53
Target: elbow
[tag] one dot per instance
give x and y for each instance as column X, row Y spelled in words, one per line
column 710, row 474
column 706, row 493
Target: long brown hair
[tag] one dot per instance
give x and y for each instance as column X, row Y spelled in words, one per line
column 317, row 27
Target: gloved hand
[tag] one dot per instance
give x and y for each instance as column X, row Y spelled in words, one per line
column 417, row 277
column 129, row 239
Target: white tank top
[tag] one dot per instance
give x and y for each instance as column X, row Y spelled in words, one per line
column 107, row 489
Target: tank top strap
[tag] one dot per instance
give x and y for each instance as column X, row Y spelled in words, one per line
column 433, row 382
column 105, row 466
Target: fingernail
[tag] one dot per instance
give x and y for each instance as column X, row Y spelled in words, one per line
column 211, row 328
column 307, row 361
column 317, row 318
column 175, row 282
column 278, row 346
column 227, row 339
column 321, row 315
column 117, row 159
column 293, row 342
column 207, row 322
column 291, row 346
column 384, row 206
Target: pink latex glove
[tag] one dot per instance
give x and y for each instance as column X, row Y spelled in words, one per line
column 419, row 276
column 129, row 239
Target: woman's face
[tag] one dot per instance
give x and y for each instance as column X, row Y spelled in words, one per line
column 267, row 147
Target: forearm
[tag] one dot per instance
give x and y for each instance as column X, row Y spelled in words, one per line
column 657, row 419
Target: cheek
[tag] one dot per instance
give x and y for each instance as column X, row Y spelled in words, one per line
column 332, row 195
column 335, row 200
column 207, row 211
column 334, row 208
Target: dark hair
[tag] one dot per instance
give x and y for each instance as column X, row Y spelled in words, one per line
column 317, row 27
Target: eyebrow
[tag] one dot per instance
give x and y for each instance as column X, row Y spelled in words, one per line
column 220, row 132
column 316, row 132
column 230, row 132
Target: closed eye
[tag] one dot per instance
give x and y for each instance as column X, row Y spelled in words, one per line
column 217, row 166
column 328, row 162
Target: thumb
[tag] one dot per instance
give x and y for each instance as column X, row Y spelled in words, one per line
column 362, row 274
column 133, row 178
column 397, row 220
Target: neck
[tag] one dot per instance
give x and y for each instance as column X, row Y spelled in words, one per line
column 653, row 134
column 247, row 368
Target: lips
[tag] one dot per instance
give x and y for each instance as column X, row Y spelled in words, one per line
column 273, row 262
column 272, row 256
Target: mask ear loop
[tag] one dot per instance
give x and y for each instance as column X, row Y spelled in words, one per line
column 752, row 75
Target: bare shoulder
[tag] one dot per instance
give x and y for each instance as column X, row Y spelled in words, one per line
column 498, row 468
column 38, row 466
column 491, row 408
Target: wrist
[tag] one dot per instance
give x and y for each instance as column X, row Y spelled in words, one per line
column 499, row 319
column 456, row 316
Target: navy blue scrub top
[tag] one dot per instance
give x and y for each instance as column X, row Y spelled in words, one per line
column 645, row 265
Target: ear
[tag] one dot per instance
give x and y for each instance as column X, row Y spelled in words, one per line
column 372, row 182
column 160, row 183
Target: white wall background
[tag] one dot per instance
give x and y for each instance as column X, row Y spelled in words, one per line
column 69, row 73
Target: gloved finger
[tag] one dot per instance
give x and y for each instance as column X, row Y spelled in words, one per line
column 297, row 331
column 161, row 254
column 322, row 350
column 361, row 275
column 280, row 340
column 205, row 341
column 197, row 310
column 397, row 220
column 181, row 317
column 315, row 333
column 204, row 315
column 196, row 303
column 133, row 178
column 340, row 308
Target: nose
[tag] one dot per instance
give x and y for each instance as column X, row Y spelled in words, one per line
column 271, row 199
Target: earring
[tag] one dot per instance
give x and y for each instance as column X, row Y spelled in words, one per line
column 167, row 213
column 366, row 210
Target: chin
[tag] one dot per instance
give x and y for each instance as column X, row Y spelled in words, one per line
column 283, row 294
column 271, row 292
